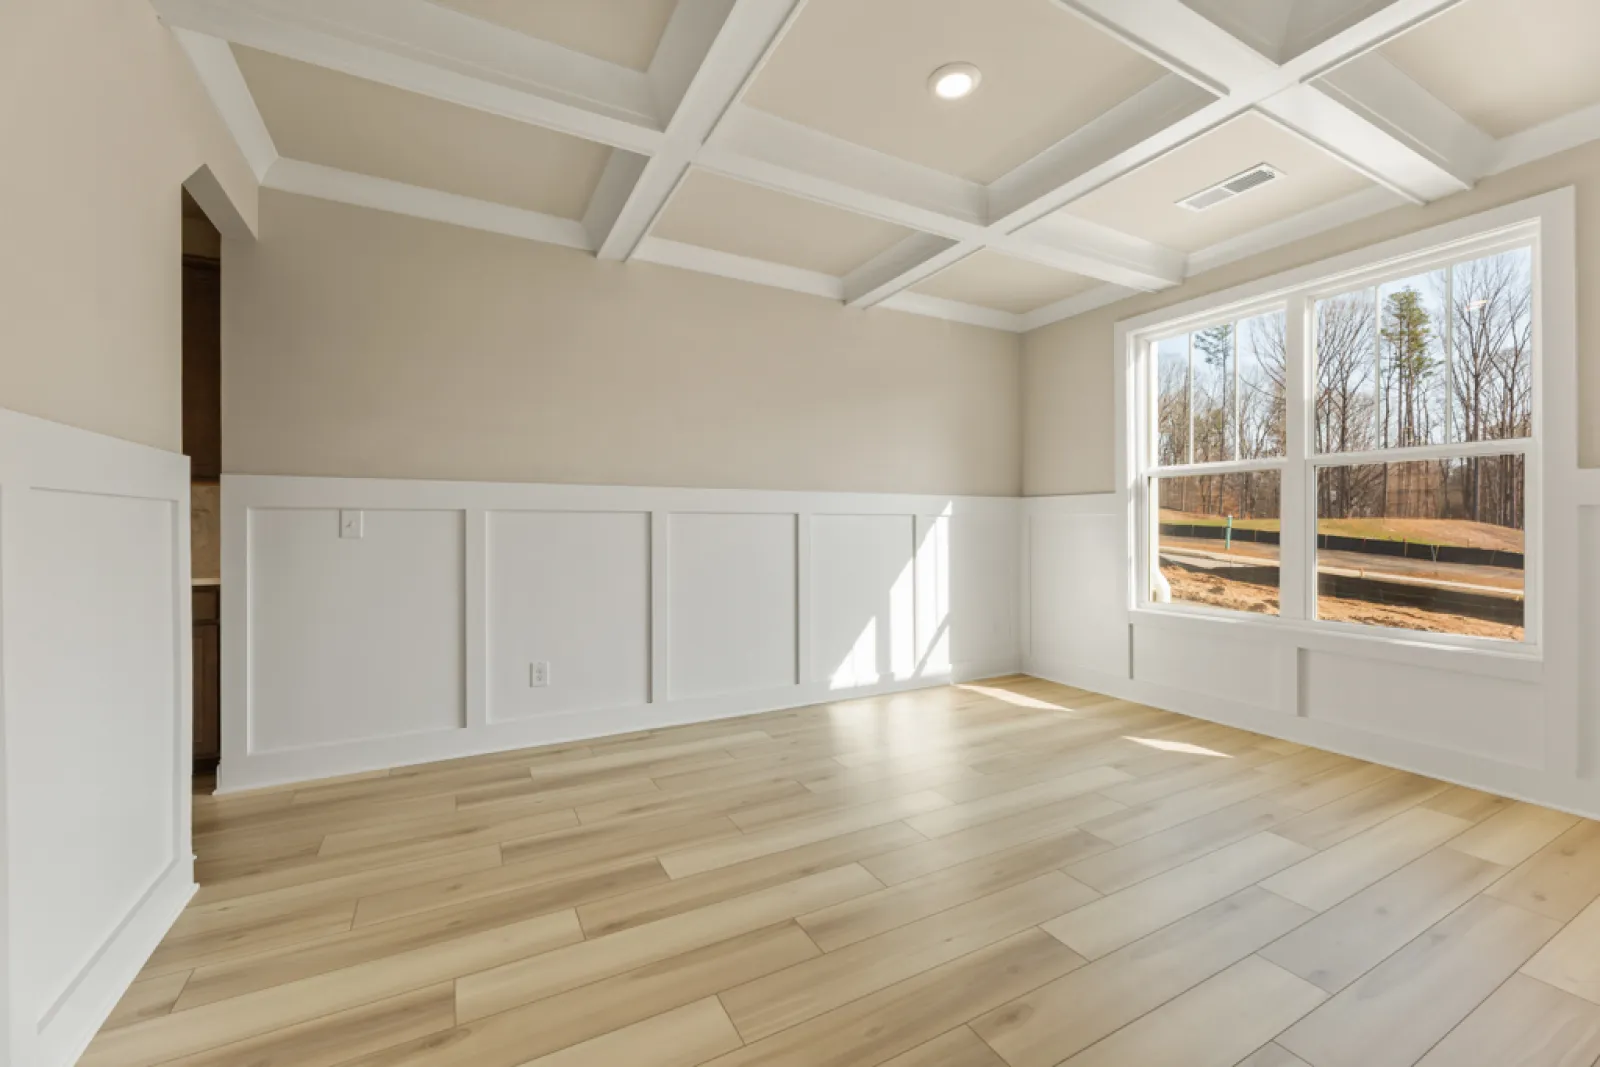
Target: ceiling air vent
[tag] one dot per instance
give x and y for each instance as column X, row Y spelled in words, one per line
column 1254, row 178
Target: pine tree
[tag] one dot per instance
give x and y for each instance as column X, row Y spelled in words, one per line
column 1408, row 338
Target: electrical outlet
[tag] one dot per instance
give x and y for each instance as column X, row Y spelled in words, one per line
column 539, row 674
column 350, row 524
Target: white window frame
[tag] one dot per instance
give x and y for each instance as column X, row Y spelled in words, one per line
column 1544, row 223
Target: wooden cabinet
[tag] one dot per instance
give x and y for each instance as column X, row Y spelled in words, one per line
column 207, row 677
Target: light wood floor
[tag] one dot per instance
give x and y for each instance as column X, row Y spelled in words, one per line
column 1013, row 873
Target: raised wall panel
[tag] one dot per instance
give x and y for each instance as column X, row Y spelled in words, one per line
column 1244, row 669
column 91, row 727
column 570, row 588
column 1589, row 635
column 354, row 638
column 863, row 598
column 983, row 574
column 1500, row 718
column 733, row 603
column 1078, row 611
column 95, row 856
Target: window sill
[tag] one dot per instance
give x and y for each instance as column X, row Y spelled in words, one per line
column 1479, row 656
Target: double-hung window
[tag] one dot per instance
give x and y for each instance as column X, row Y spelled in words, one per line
column 1359, row 451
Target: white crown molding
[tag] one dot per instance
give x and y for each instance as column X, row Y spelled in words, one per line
column 224, row 83
column 954, row 310
column 1558, row 135
column 739, row 268
column 1098, row 297
column 1342, row 212
column 362, row 190
column 427, row 49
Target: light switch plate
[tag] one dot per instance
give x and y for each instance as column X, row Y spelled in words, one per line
column 350, row 524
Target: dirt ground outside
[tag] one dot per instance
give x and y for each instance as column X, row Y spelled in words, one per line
column 1457, row 532
column 1209, row 589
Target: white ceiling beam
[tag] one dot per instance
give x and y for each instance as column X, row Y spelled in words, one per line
column 765, row 150
column 1084, row 247
column 1392, row 153
column 423, row 48
column 1153, row 121
column 708, row 54
column 381, row 194
column 902, row 265
column 224, row 83
column 1384, row 96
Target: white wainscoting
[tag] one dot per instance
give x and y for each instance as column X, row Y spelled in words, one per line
column 416, row 641
column 1496, row 722
column 94, row 653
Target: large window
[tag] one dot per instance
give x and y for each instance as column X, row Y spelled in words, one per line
column 1359, row 452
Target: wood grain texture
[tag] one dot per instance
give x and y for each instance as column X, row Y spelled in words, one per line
column 1008, row 874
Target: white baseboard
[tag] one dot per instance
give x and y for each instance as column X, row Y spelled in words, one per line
column 287, row 768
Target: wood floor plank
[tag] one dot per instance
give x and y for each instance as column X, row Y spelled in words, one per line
column 1273, row 1055
column 1343, row 943
column 412, row 933
column 1336, row 873
column 499, row 988
column 1061, row 1019
column 914, row 861
column 1524, row 1023
column 806, row 990
column 463, row 828
column 1561, row 879
column 1179, row 808
column 335, row 1039
column 697, row 891
column 892, row 1021
column 1215, row 1024
column 184, row 1033
column 511, row 1038
column 683, row 1037
column 1515, row 834
column 861, row 918
column 1571, row 961
column 241, row 940
column 911, row 879
column 335, row 880
column 1326, row 826
column 146, row 998
column 533, row 885
column 1147, row 857
column 1394, row 1014
column 1125, row 916
column 958, row 817
column 958, row 1048
column 1473, row 805
column 1337, row 782
column 726, row 853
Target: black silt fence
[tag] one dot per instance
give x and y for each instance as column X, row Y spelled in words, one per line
column 1472, row 557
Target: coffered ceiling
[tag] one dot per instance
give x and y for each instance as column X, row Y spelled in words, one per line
column 797, row 143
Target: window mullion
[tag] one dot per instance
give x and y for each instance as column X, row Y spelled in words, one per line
column 1298, row 484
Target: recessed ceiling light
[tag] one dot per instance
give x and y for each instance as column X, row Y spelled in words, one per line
column 954, row 81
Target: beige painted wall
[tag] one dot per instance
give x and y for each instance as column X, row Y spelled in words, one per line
column 1068, row 430
column 358, row 343
column 102, row 119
